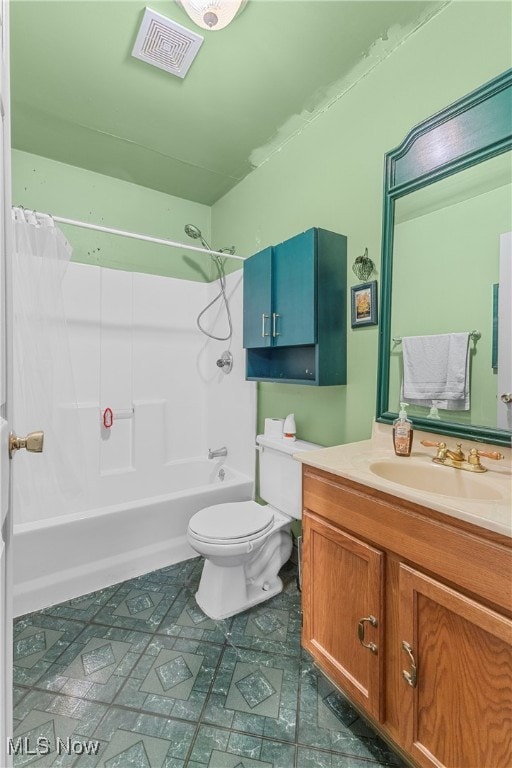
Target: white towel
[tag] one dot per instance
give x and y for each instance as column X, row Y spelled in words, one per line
column 436, row 368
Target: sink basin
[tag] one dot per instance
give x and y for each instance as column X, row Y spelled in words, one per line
column 434, row 478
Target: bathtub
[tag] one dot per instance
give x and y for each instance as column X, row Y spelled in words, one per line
column 71, row 555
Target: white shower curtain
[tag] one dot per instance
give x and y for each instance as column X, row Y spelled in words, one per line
column 52, row 483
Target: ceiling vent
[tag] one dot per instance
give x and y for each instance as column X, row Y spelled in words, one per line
column 166, row 44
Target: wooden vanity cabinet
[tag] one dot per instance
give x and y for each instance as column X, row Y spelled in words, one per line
column 437, row 681
column 356, row 572
column 459, row 713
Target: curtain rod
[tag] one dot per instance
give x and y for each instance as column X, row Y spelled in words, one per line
column 147, row 238
column 138, row 236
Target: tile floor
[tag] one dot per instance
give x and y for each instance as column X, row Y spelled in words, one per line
column 136, row 676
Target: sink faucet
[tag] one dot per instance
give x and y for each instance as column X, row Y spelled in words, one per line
column 217, row 453
column 458, row 460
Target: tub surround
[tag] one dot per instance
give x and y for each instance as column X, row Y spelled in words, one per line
column 353, row 461
column 69, row 555
column 134, row 347
column 406, row 595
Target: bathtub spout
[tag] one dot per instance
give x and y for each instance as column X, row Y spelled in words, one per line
column 217, row 453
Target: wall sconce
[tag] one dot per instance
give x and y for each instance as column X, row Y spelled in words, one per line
column 212, row 14
column 363, row 266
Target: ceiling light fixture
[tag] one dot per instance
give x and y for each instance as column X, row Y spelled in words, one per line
column 212, row 14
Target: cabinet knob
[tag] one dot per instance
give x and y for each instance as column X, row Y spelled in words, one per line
column 274, row 324
column 360, row 633
column 409, row 677
column 263, row 318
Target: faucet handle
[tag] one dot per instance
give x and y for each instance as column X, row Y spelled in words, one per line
column 474, row 458
column 441, row 453
column 496, row 455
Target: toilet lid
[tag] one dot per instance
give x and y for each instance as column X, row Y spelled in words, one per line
column 234, row 521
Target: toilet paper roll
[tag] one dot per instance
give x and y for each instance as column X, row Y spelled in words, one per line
column 274, row 427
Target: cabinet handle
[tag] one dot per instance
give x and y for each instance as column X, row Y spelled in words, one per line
column 263, row 318
column 360, row 633
column 410, row 677
column 274, row 324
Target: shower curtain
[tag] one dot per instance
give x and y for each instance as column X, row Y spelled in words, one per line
column 51, row 483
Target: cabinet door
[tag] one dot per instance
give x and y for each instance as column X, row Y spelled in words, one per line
column 257, row 300
column 457, row 704
column 342, row 610
column 294, row 291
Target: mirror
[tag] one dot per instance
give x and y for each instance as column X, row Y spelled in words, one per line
column 448, row 198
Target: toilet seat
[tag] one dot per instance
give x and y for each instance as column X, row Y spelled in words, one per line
column 231, row 523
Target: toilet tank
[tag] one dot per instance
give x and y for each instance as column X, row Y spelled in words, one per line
column 281, row 474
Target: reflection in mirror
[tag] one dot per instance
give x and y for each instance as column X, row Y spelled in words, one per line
column 447, row 268
column 446, row 254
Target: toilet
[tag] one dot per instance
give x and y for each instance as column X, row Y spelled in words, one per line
column 245, row 544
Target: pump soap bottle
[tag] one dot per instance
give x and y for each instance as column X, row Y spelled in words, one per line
column 402, row 432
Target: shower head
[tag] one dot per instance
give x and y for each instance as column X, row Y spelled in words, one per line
column 192, row 231
column 195, row 233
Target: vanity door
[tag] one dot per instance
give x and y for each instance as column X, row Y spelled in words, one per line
column 456, row 678
column 342, row 591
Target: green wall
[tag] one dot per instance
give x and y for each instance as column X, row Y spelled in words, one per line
column 73, row 193
column 331, row 175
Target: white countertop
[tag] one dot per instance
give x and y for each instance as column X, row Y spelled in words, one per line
column 353, row 460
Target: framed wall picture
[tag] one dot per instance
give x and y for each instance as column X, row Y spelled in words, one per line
column 364, row 304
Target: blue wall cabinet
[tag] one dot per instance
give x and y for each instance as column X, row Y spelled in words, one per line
column 258, row 299
column 295, row 310
column 294, row 291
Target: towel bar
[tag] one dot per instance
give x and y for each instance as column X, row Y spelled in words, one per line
column 475, row 335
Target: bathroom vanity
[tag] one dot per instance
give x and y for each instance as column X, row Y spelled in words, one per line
column 407, row 563
column 407, row 602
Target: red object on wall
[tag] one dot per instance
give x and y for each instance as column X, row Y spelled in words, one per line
column 108, row 418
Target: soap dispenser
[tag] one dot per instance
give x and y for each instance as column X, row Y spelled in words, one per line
column 402, row 432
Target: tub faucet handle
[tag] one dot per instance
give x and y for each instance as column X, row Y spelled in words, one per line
column 225, row 361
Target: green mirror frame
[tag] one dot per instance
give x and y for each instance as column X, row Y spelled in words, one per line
column 470, row 131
